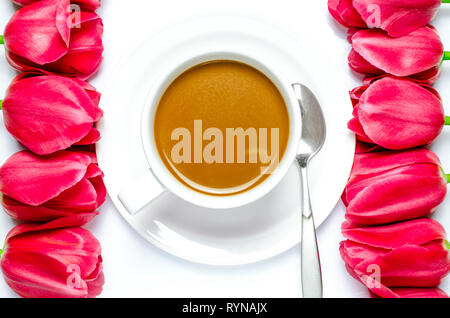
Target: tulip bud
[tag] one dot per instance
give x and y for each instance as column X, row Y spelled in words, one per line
column 407, row 254
column 52, row 260
column 417, row 55
column 68, row 43
column 88, row 5
column 391, row 186
column 50, row 113
column 42, row 188
column 397, row 114
column 396, row 17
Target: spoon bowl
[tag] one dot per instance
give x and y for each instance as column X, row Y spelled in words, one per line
column 313, row 128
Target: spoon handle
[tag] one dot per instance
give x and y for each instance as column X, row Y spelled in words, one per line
column 311, row 272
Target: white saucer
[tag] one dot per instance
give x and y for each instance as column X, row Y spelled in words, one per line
column 255, row 232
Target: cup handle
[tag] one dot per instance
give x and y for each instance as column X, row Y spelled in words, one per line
column 135, row 196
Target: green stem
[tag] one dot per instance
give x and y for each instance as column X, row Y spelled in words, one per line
column 1, row 102
column 1, row 252
column 447, row 176
column 445, row 1
column 446, row 244
column 446, row 53
column 447, row 119
column 2, row 40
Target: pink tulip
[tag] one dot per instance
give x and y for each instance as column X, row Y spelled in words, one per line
column 397, row 114
column 417, row 55
column 53, row 260
column 406, row 254
column 42, row 188
column 45, row 36
column 396, row 17
column 88, row 5
column 391, row 186
column 50, row 113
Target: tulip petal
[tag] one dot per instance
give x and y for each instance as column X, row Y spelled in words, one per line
column 82, row 197
column 428, row 77
column 411, row 266
column 93, row 171
column 358, row 64
column 95, row 112
column 96, row 280
column 91, row 5
column 371, row 163
column 405, row 266
column 34, row 180
column 345, row 14
column 382, row 291
column 94, row 95
column 355, row 125
column 356, row 93
column 414, row 53
column 419, row 293
column 44, row 276
column 359, row 182
column 90, row 153
column 100, row 189
column 415, row 232
column 353, row 253
column 91, row 138
column 26, row 213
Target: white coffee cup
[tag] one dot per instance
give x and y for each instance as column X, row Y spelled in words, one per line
column 158, row 180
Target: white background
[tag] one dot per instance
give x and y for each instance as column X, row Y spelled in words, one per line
column 133, row 267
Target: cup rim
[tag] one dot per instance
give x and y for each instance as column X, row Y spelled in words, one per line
column 165, row 177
